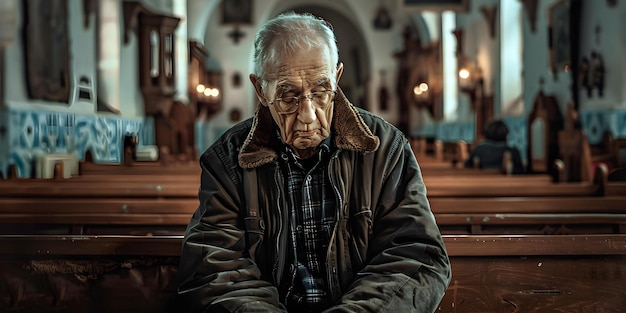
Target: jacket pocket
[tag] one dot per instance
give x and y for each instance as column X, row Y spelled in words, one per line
column 255, row 230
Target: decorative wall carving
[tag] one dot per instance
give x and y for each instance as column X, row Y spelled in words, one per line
column 33, row 132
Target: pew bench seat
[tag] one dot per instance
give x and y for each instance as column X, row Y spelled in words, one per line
column 575, row 273
column 455, row 215
column 173, row 187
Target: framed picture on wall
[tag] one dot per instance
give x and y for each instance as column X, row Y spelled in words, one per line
column 236, row 11
column 432, row 5
column 47, row 50
column 559, row 35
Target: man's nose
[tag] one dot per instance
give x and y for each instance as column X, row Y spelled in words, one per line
column 306, row 110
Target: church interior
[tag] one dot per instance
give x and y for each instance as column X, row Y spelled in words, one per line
column 106, row 105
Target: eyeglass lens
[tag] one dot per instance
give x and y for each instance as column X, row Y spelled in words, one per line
column 290, row 104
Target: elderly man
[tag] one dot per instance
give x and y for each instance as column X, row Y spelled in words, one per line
column 313, row 204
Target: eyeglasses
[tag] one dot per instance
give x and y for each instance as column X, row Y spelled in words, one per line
column 289, row 105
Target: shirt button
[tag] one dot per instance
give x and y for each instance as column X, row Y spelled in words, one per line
column 299, row 228
column 308, row 178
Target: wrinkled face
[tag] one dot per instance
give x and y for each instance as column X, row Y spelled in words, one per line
column 300, row 75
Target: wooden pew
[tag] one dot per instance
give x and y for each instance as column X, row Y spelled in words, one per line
column 456, row 215
column 88, row 273
column 615, row 188
column 455, row 153
column 172, row 189
column 462, row 215
column 577, row 158
column 158, row 204
column 422, row 147
column 575, row 273
column 536, row 274
column 153, row 207
column 466, row 177
column 493, row 189
column 89, row 168
column 436, row 169
column 524, row 204
column 611, row 188
column 530, row 215
column 139, row 271
column 151, row 201
column 136, row 216
column 447, row 183
column 115, row 188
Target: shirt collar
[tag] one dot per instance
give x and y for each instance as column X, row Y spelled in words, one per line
column 326, row 147
column 260, row 146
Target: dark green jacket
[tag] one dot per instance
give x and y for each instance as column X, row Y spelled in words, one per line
column 386, row 253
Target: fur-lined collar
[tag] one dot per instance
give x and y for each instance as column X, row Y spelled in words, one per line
column 350, row 133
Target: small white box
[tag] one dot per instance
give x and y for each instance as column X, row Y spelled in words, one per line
column 147, row 153
column 46, row 162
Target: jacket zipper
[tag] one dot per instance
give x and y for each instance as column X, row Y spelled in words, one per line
column 332, row 274
column 279, row 262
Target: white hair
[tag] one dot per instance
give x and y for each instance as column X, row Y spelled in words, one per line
column 288, row 33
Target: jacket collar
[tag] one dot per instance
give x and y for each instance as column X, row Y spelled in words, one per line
column 349, row 133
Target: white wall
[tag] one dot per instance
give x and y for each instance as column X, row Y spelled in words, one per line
column 203, row 25
column 478, row 46
column 82, row 60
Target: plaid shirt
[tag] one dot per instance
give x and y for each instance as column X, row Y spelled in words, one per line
column 312, row 219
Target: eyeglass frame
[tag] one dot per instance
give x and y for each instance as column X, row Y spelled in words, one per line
column 298, row 98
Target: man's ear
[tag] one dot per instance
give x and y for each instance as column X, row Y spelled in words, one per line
column 339, row 72
column 256, row 82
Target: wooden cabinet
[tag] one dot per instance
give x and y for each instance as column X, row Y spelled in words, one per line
column 156, row 42
column 544, row 123
column 204, row 86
